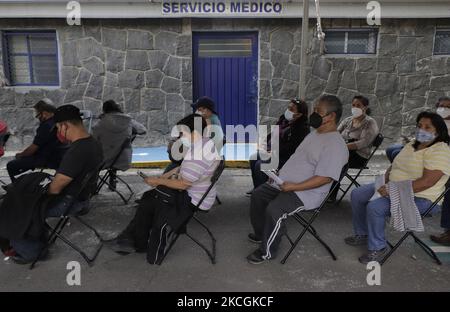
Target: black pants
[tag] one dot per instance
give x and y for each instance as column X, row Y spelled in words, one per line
column 354, row 161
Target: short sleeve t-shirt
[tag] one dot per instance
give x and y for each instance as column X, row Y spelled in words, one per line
column 320, row 154
column 409, row 165
column 46, row 140
column 83, row 156
column 198, row 167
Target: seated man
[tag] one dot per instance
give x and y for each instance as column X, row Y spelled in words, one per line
column 83, row 157
column 46, row 150
column 307, row 177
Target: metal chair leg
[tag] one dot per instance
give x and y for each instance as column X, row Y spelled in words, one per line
column 394, row 248
column 426, row 248
column 210, row 255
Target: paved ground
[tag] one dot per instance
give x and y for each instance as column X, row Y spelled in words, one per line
column 188, row 269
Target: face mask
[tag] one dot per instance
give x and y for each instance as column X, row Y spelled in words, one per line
column 288, row 115
column 315, row 120
column 62, row 138
column 444, row 112
column 423, row 136
column 199, row 112
column 186, row 142
column 356, row 112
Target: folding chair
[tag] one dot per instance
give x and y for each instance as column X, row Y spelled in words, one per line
column 56, row 232
column 110, row 171
column 353, row 180
column 3, row 140
column 417, row 240
column 211, row 253
column 307, row 224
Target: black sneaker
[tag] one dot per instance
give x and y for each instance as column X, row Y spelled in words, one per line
column 122, row 246
column 249, row 193
column 18, row 259
column 356, row 240
column 374, row 255
column 255, row 257
column 252, row 237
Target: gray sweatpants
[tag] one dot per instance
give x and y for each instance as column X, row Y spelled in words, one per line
column 269, row 208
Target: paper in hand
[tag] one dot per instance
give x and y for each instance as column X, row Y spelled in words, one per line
column 379, row 182
column 274, row 177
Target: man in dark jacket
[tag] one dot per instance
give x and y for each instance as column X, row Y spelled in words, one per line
column 46, row 150
column 66, row 189
column 293, row 128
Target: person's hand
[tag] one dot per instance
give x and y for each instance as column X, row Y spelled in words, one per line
column 383, row 191
column 18, row 155
column 287, row 187
column 152, row 181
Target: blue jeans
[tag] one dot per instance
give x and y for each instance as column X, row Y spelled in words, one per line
column 392, row 151
column 29, row 248
column 369, row 217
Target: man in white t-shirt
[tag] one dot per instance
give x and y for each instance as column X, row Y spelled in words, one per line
column 307, row 176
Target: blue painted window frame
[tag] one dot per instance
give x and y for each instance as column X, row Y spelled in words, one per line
column 6, row 54
column 348, row 30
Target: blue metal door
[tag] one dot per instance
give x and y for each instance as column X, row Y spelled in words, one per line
column 226, row 70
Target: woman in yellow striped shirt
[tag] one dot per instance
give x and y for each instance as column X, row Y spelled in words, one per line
column 425, row 162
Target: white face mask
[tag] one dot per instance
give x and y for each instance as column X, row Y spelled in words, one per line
column 444, row 112
column 288, row 115
column 199, row 112
column 356, row 112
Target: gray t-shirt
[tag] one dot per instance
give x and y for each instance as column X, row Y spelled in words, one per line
column 318, row 155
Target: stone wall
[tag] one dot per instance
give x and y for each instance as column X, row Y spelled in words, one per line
column 146, row 66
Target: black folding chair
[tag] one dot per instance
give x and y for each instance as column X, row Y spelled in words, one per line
column 417, row 240
column 211, row 253
column 111, row 171
column 56, row 232
column 353, row 179
column 307, row 223
column 3, row 140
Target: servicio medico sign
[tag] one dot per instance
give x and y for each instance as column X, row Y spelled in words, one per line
column 233, row 8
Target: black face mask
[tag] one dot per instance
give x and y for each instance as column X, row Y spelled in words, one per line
column 315, row 120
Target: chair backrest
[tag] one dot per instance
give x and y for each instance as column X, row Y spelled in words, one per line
column 434, row 204
column 336, row 185
column 378, row 140
column 214, row 178
column 126, row 143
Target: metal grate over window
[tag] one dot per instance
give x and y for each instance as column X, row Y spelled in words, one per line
column 351, row 41
column 442, row 42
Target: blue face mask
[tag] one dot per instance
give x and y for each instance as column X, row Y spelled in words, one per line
column 186, row 142
column 423, row 136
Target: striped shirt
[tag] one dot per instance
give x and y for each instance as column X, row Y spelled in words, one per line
column 409, row 165
column 198, row 167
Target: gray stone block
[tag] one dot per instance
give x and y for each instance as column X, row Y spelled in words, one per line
column 315, row 88
column 186, row 91
column 424, row 65
column 140, row 40
column 322, row 68
column 7, row 97
column 158, row 59
column 70, row 54
column 152, row 99
column 184, row 47
column 343, row 64
column 132, row 100
column 411, row 103
column 333, row 82
column 441, row 83
column 424, row 47
column 386, row 64
column 173, row 68
column 68, row 76
column 88, row 48
column 277, row 84
column 171, row 85
column 289, row 90
column 158, row 122
column 417, row 85
column 279, row 62
column 365, row 82
column 186, row 70
column 131, row 79
column 296, row 55
column 407, row 64
column 95, row 106
column 75, row 93
column 95, row 87
column 265, row 90
column 264, row 51
column 112, row 79
column 265, row 70
column 114, row 38
column 153, row 78
column 57, row 96
column 388, row 45
column 112, row 93
column 386, row 84
column 348, row 80
column 292, row 72
column 115, row 61
column 174, row 103
column 93, row 31
column 166, row 41
column 366, row 64
column 137, row 60
column 407, row 45
column 282, row 40
column 95, row 66
column 438, row 66
column 84, row 76
column 277, row 107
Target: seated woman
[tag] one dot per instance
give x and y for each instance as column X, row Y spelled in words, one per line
column 424, row 162
column 293, row 128
column 193, row 176
column 359, row 131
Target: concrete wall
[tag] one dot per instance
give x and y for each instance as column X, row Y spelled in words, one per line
column 146, row 66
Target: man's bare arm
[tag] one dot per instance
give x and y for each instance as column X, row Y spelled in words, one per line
column 60, row 181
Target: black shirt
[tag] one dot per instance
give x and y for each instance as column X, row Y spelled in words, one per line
column 50, row 149
column 83, row 157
